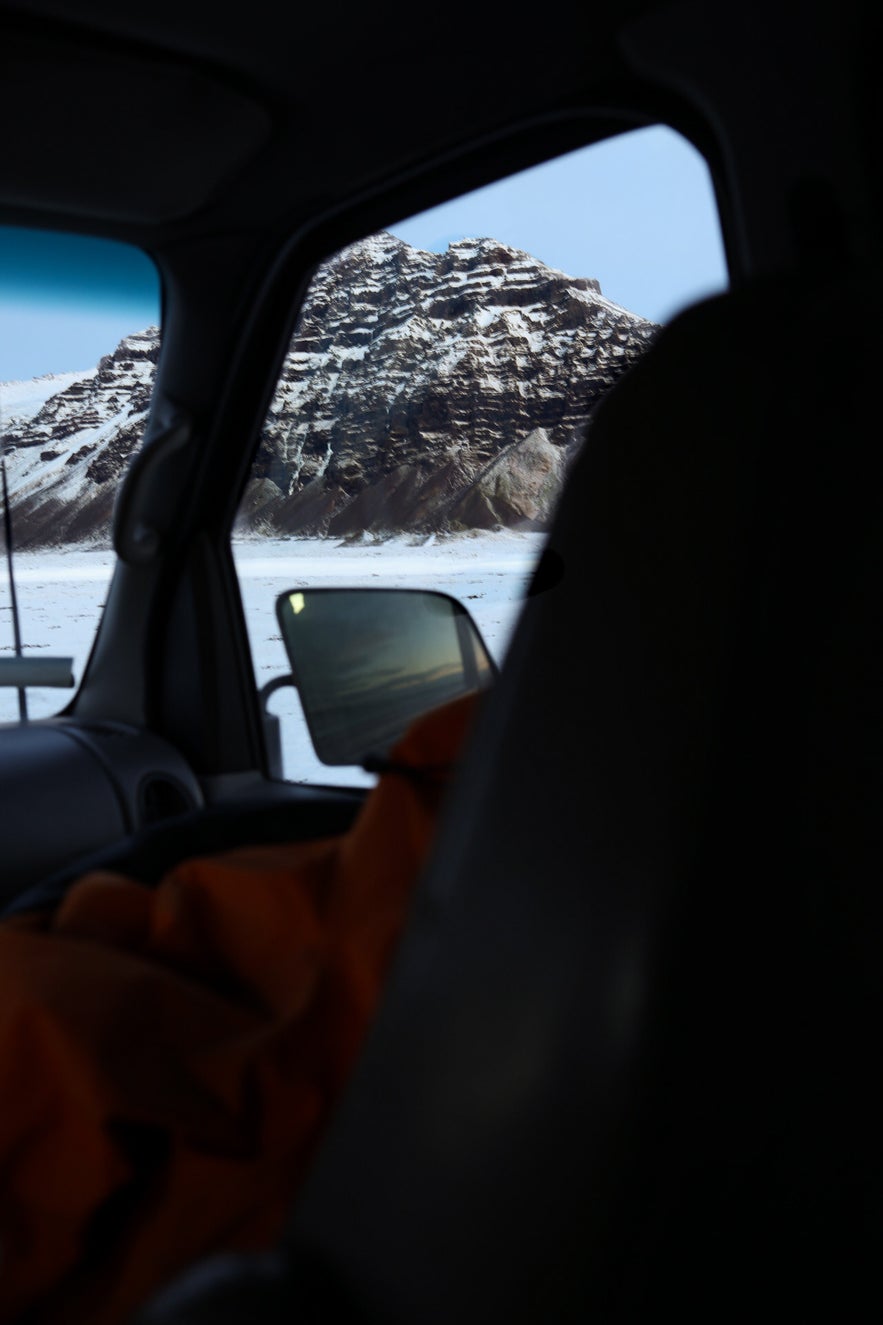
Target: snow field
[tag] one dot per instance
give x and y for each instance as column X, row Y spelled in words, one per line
column 61, row 593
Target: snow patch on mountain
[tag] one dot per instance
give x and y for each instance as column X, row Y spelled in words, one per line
column 421, row 392
column 20, row 401
column 65, row 452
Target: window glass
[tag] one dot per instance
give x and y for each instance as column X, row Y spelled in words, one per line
column 443, row 374
column 79, row 341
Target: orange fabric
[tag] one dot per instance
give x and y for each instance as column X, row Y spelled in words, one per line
column 168, row 1057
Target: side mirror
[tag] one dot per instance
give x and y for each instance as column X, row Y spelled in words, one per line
column 367, row 662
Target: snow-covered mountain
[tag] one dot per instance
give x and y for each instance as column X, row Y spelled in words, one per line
column 66, row 449
column 20, row 401
column 421, row 391
column 434, row 391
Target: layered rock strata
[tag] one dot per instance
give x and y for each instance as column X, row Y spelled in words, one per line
column 65, row 461
column 432, row 392
column 421, row 392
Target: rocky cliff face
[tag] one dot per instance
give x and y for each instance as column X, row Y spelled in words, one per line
column 421, row 391
column 432, row 391
column 65, row 457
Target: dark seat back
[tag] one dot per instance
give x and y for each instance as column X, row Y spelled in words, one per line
column 626, row 1060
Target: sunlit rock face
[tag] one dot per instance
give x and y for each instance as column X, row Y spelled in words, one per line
column 67, row 449
column 415, row 382
column 421, row 392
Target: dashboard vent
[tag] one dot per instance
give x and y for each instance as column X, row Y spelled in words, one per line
column 161, row 797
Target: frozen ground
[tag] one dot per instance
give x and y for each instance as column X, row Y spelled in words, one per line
column 61, row 593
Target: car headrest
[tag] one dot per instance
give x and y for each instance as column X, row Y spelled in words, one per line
column 623, row 1058
column 622, row 1062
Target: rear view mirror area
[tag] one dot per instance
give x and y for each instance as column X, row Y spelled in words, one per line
column 368, row 662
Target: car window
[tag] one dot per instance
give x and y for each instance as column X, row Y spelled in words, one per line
column 441, row 377
column 79, row 341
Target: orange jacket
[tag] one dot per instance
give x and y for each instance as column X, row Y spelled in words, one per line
column 168, row 1057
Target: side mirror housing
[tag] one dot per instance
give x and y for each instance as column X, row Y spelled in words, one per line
column 368, row 662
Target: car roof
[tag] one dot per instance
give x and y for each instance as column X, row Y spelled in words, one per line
column 182, row 119
column 243, row 114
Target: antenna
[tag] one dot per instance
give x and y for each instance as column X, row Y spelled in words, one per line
column 16, row 629
column 20, row 671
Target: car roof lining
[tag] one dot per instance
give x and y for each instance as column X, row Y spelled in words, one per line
column 116, row 166
column 213, row 117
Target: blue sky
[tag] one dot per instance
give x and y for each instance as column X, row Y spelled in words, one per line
column 65, row 300
column 636, row 212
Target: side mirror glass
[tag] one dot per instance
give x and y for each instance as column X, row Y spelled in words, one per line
column 367, row 662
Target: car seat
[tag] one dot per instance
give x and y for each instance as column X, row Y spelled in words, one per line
column 624, row 1065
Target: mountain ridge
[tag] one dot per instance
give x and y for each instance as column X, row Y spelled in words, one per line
column 421, row 392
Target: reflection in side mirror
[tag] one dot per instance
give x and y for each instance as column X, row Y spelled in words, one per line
column 367, row 662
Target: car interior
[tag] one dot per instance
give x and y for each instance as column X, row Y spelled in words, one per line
column 623, row 1065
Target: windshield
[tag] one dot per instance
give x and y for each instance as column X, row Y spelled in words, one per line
column 79, row 342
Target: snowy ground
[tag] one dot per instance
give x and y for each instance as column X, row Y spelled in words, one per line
column 60, row 596
column 61, row 593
